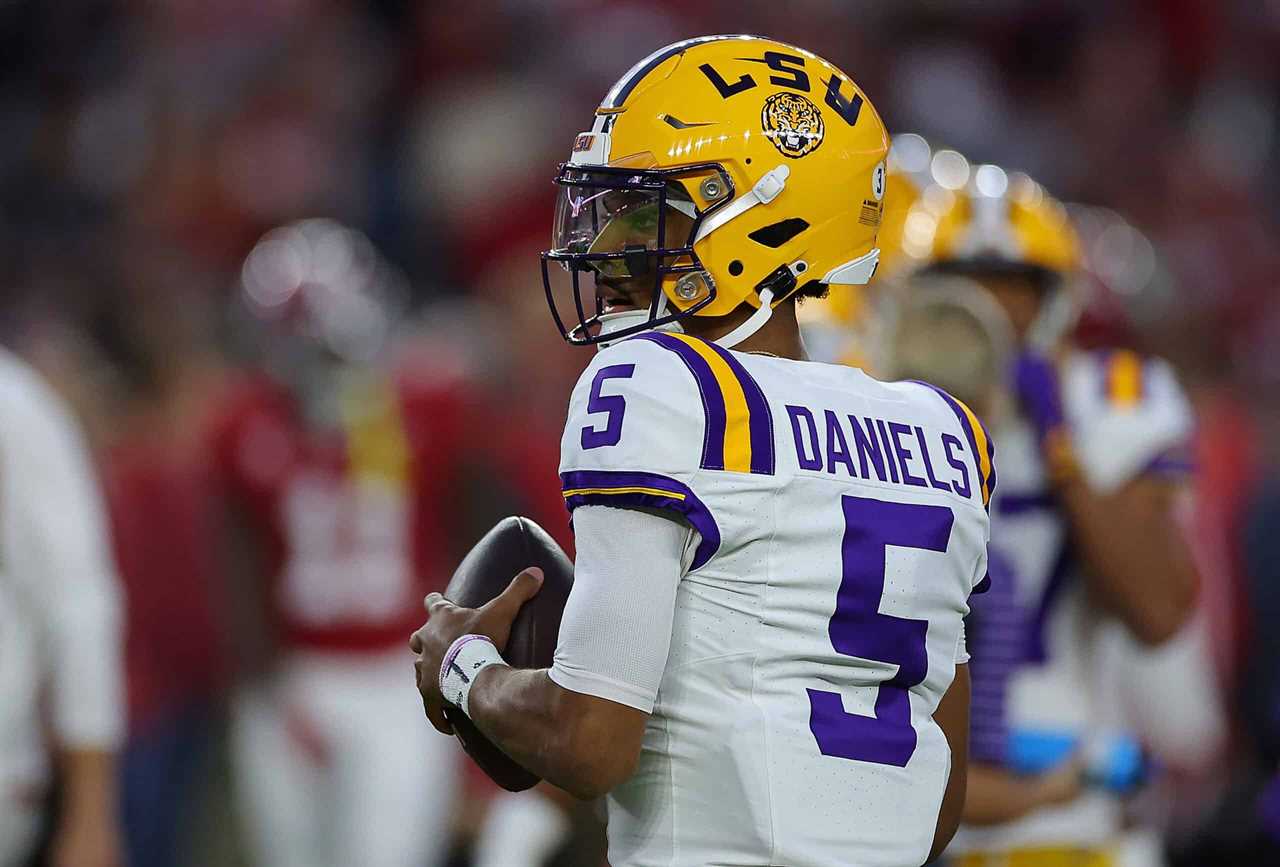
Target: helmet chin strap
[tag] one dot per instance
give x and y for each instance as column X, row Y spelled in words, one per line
column 612, row 322
column 753, row 323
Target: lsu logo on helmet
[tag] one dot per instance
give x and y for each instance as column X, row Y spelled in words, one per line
column 792, row 123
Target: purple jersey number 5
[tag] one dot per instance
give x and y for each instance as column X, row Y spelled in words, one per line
column 859, row 629
column 613, row 404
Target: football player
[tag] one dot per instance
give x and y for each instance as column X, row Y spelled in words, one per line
column 340, row 467
column 762, row 659
column 62, row 710
column 1093, row 461
column 949, row 330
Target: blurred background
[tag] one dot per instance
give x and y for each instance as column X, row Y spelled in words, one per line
column 171, row 170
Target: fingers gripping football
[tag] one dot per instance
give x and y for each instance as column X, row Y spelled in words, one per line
column 500, row 612
column 447, row 622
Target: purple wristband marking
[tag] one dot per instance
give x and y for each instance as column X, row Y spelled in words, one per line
column 454, row 649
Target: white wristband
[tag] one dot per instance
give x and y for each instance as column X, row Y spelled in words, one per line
column 466, row 658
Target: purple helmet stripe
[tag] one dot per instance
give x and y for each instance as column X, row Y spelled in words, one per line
column 609, row 488
column 621, row 89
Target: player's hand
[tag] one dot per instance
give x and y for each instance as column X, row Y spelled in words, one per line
column 1035, row 382
column 1060, row 785
column 447, row 622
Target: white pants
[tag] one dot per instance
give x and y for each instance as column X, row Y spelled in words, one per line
column 336, row 764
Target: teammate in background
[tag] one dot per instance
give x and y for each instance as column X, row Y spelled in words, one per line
column 340, row 472
column 950, row 331
column 762, row 660
column 60, row 634
column 1092, row 450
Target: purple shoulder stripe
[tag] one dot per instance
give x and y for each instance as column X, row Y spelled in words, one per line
column 761, row 419
column 650, row 490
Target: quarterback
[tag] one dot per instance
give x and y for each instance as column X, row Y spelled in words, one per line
column 762, row 660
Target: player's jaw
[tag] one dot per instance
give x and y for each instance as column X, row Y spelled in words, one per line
column 622, row 295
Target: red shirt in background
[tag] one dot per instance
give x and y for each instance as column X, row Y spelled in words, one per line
column 158, row 501
column 354, row 526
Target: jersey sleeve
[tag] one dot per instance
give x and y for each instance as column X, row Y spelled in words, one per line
column 1128, row 417
column 638, row 433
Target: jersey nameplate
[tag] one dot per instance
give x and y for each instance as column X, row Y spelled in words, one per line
column 883, row 449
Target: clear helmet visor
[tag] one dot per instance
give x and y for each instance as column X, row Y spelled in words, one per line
column 620, row 235
column 615, row 225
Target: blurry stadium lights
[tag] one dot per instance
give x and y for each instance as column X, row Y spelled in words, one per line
column 909, row 154
column 950, row 169
column 1023, row 189
column 917, row 233
column 274, row 269
column 1124, row 258
column 990, row 181
column 936, row 199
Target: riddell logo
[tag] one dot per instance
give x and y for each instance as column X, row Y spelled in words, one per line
column 583, row 142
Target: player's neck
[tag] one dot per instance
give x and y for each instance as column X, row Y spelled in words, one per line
column 779, row 336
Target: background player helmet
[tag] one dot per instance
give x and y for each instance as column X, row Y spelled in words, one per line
column 844, row 326
column 951, row 332
column 732, row 170
column 983, row 221
column 317, row 302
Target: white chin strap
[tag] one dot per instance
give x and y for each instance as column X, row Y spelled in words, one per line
column 753, row 323
column 611, row 323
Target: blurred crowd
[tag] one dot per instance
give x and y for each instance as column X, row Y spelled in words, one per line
column 166, row 166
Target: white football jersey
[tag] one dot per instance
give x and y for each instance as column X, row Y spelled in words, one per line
column 841, row 526
column 1127, row 417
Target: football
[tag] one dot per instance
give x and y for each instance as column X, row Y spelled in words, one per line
column 515, row 544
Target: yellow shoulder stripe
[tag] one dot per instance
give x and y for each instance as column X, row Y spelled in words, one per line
column 1124, row 378
column 658, row 492
column 737, row 435
column 984, row 453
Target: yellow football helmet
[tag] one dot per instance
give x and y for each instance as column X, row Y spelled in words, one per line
column 980, row 220
column 733, row 170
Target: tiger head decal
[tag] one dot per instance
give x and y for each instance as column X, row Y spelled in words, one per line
column 792, row 123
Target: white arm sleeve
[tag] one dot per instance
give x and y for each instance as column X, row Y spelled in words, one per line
column 55, row 549
column 616, row 630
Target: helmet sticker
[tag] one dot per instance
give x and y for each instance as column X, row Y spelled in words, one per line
column 792, row 123
column 877, row 181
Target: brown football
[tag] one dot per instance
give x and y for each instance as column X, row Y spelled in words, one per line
column 513, row 545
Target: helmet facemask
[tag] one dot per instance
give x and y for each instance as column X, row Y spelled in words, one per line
column 627, row 225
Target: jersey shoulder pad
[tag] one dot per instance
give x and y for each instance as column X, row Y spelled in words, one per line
column 659, row 409
column 635, row 407
column 692, row 406
column 1127, row 413
column 954, row 414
